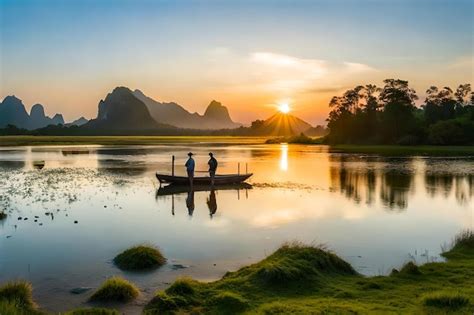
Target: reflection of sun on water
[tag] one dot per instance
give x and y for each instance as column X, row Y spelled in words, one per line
column 284, row 157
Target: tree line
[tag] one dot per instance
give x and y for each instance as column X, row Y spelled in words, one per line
column 368, row 114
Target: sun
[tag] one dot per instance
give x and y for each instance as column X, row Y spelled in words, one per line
column 284, row 108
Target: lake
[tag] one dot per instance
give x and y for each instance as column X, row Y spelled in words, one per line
column 71, row 209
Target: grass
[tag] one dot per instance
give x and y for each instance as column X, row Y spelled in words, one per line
column 301, row 139
column 446, row 300
column 116, row 289
column 121, row 140
column 301, row 279
column 18, row 293
column 399, row 150
column 93, row 311
column 141, row 257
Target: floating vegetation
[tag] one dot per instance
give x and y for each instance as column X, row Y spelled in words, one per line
column 141, row 257
column 116, row 289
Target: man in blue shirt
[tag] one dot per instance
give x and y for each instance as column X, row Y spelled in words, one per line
column 190, row 168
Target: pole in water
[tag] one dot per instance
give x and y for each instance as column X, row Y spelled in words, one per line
column 238, row 168
column 246, row 168
column 172, row 165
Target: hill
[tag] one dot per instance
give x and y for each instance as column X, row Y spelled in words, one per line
column 216, row 115
column 281, row 125
column 122, row 110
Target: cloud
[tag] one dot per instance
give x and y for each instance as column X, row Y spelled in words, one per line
column 358, row 67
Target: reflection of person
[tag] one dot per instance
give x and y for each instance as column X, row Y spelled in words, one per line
column 190, row 202
column 190, row 168
column 212, row 203
column 212, row 167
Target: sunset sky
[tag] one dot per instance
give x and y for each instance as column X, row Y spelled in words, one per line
column 249, row 55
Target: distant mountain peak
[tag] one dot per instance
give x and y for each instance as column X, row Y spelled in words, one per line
column 37, row 111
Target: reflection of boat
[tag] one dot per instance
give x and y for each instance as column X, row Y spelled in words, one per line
column 181, row 189
column 204, row 180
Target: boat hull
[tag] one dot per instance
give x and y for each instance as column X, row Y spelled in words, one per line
column 203, row 180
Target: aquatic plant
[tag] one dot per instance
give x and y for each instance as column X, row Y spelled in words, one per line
column 446, row 300
column 140, row 257
column 116, row 289
column 93, row 311
column 18, row 293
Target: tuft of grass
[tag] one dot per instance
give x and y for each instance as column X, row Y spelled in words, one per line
column 229, row 302
column 18, row 293
column 410, row 268
column 462, row 246
column 163, row 303
column 3, row 215
column 116, row 289
column 182, row 286
column 446, row 300
column 93, row 311
column 294, row 262
column 141, row 257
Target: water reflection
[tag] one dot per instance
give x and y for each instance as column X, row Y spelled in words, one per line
column 211, row 197
column 284, row 157
column 392, row 181
column 212, row 203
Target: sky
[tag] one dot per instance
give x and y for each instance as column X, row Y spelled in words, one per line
column 252, row 56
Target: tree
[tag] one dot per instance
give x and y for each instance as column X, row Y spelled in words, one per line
column 398, row 101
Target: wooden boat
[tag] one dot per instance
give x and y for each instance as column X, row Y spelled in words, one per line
column 204, row 180
column 182, row 189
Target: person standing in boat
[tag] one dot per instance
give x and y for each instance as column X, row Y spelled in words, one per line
column 212, row 167
column 190, row 164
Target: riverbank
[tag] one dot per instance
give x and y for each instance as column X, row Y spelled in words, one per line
column 302, row 279
column 398, row 150
column 122, row 140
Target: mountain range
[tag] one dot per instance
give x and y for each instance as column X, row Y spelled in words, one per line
column 127, row 110
column 216, row 115
column 13, row 112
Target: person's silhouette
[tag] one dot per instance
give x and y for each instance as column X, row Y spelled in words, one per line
column 212, row 203
column 190, row 201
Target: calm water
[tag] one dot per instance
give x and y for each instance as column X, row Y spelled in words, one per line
column 375, row 212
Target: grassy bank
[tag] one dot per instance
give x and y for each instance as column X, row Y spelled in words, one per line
column 301, row 279
column 398, row 150
column 121, row 140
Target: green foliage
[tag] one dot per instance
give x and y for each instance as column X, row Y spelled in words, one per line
column 410, row 268
column 300, row 279
column 163, row 303
column 10, row 308
column 116, row 289
column 462, row 247
column 301, row 139
column 140, row 257
column 297, row 262
column 18, row 293
column 93, row 311
column 369, row 115
column 446, row 300
column 229, row 302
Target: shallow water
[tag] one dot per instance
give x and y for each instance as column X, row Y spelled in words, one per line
column 375, row 212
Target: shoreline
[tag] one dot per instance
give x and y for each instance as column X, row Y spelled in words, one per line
column 303, row 278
